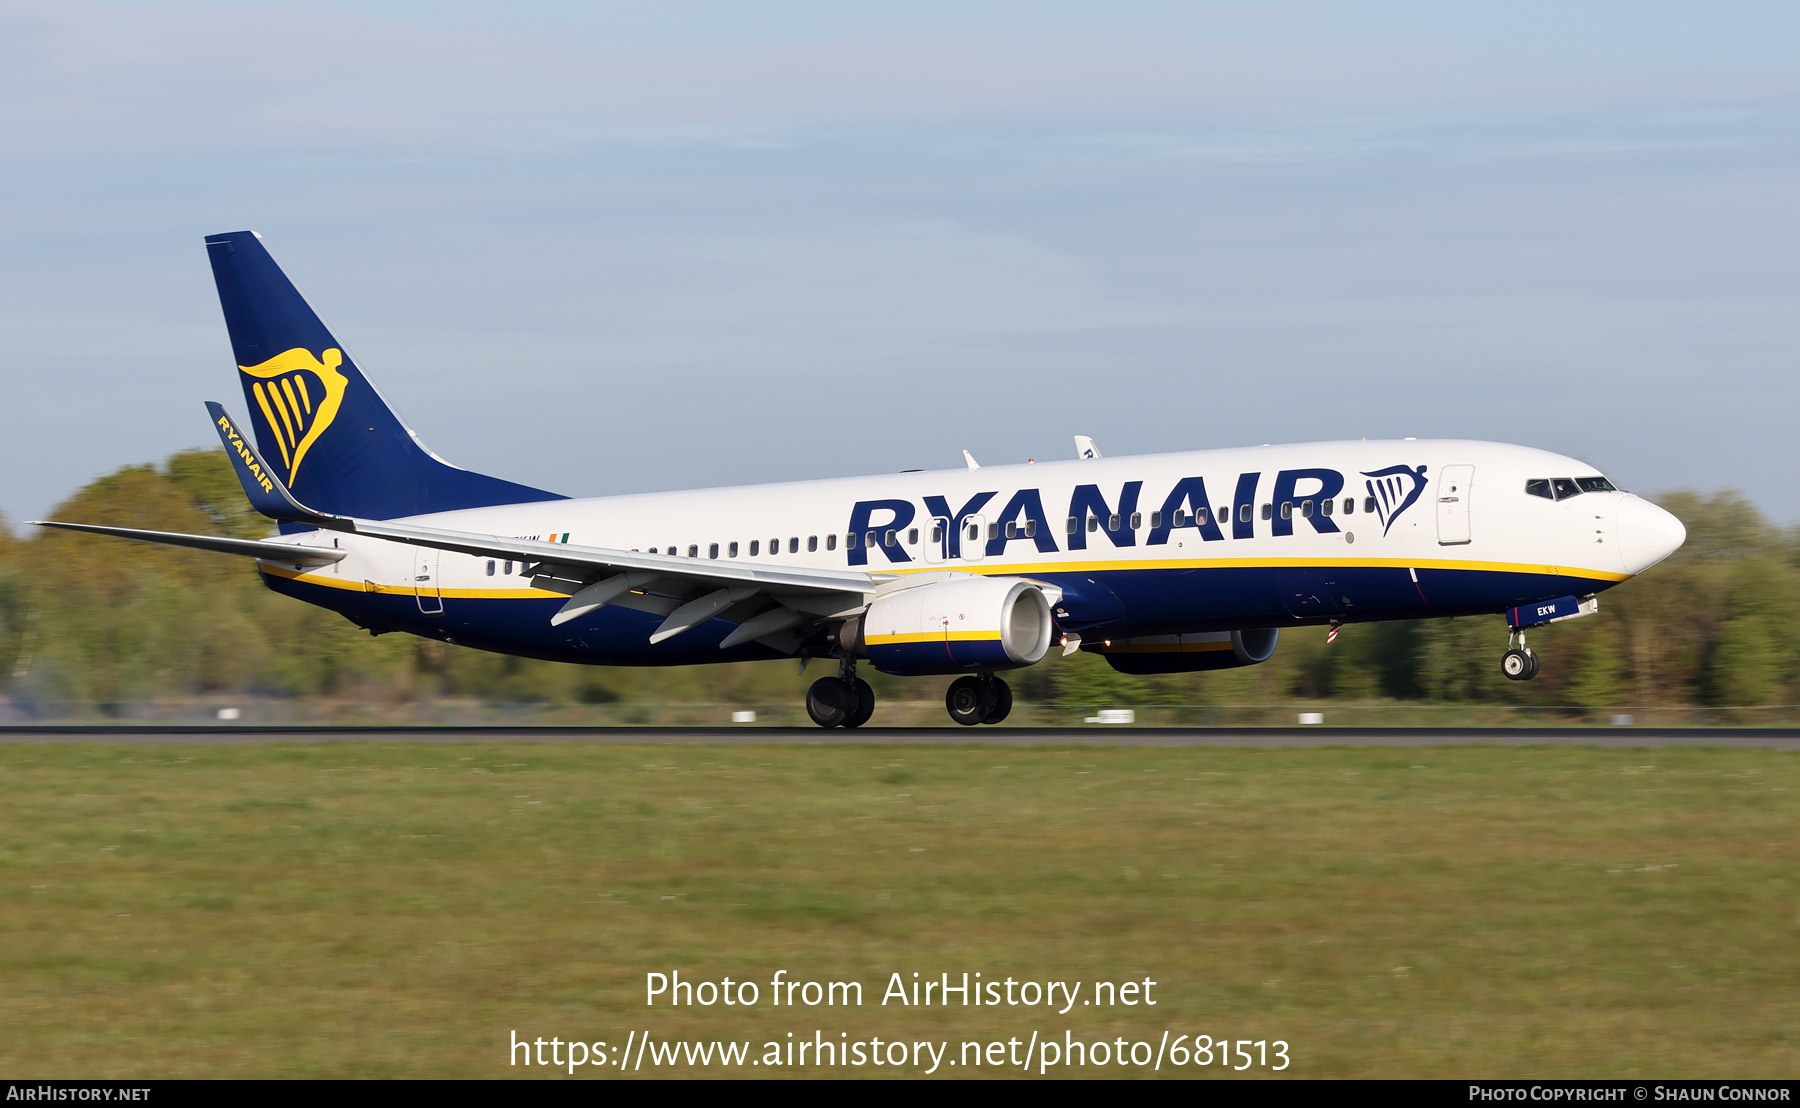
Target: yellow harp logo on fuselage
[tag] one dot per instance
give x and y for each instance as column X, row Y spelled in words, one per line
column 299, row 396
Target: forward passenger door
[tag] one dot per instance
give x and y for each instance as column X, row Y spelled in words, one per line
column 1454, row 483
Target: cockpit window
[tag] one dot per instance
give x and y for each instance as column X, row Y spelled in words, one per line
column 1595, row 484
column 1564, row 487
column 1539, row 486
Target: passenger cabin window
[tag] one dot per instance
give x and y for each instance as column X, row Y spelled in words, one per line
column 1244, row 513
column 794, row 545
column 733, row 553
column 831, row 542
column 1093, row 523
column 1306, row 509
column 1539, row 486
column 1137, row 521
column 1199, row 517
column 1368, row 504
column 1595, row 484
column 1012, row 530
column 1268, row 511
column 1327, row 506
column 1349, row 505
column 1287, row 509
column 774, row 547
column 812, row 543
column 693, row 550
column 937, row 532
column 509, row 569
column 490, row 567
column 755, row 547
column 1031, row 528
column 888, row 539
column 1156, row 519
column 712, row 551
column 1069, row 529
column 671, row 551
column 912, row 537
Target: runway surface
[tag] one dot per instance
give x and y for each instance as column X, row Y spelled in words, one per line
column 228, row 735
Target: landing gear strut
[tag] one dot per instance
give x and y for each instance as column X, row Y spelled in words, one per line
column 1520, row 662
column 981, row 698
column 842, row 701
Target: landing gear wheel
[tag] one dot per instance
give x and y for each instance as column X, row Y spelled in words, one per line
column 969, row 700
column 1518, row 665
column 1002, row 702
column 1533, row 672
column 830, row 702
column 865, row 703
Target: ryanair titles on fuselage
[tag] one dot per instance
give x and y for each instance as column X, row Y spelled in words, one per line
column 1306, row 496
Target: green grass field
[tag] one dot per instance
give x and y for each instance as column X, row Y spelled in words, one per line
column 399, row 910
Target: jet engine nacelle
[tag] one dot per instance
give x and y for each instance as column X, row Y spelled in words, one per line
column 1188, row 653
column 954, row 626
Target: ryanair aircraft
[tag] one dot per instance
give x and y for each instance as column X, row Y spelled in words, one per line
column 1163, row 563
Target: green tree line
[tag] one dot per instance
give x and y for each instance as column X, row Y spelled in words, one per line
column 86, row 620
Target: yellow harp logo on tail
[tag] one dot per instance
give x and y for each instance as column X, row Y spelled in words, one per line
column 299, row 396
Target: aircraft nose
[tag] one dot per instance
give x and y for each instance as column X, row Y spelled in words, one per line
column 1647, row 534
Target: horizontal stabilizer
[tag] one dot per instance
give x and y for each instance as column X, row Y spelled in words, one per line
column 263, row 488
column 284, row 553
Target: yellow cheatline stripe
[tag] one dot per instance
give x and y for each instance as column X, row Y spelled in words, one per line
column 287, row 387
column 330, row 582
column 1164, row 647
column 933, row 636
column 1028, row 568
column 269, row 414
column 299, row 380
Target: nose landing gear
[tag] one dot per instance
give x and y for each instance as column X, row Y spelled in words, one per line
column 842, row 701
column 981, row 698
column 1519, row 663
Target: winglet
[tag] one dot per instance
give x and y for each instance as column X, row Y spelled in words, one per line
column 266, row 492
column 1085, row 448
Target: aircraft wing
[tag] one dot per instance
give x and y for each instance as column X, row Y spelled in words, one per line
column 593, row 576
column 688, row 591
column 300, row 557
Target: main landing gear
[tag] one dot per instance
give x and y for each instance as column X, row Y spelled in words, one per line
column 1519, row 663
column 978, row 699
column 842, row 701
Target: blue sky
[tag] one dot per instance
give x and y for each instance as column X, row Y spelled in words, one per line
column 607, row 248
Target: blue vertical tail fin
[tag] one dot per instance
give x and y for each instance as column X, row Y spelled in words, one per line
column 316, row 417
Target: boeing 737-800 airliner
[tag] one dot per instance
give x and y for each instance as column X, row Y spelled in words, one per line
column 1160, row 564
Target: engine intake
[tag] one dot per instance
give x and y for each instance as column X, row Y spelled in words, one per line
column 975, row 623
